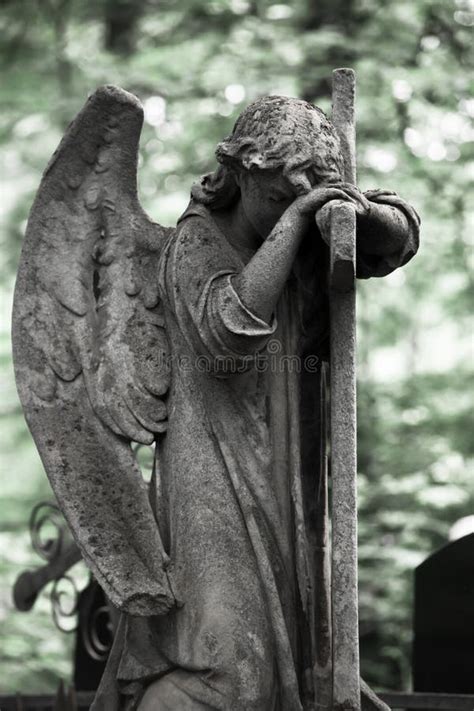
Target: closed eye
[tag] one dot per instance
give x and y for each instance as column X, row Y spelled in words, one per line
column 279, row 197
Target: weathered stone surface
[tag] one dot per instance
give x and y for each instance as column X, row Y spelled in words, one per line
column 87, row 355
column 345, row 617
column 345, row 614
column 210, row 340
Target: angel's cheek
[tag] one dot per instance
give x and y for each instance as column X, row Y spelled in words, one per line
column 263, row 215
column 264, row 224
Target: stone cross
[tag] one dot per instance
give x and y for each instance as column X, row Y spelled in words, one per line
column 345, row 632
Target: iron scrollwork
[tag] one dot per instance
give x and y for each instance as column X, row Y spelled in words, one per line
column 85, row 612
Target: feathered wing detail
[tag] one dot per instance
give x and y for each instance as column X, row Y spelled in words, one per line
column 90, row 347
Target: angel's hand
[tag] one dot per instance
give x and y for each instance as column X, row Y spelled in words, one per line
column 318, row 201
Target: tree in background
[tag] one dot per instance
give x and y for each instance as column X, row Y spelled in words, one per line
column 195, row 64
column 121, row 18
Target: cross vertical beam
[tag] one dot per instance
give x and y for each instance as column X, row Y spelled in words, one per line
column 345, row 618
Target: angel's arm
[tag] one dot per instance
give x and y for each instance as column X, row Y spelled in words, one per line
column 387, row 233
column 224, row 309
column 389, row 229
column 261, row 281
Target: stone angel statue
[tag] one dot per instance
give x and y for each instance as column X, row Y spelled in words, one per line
column 207, row 340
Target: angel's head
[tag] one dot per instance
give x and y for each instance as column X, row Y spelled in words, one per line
column 280, row 148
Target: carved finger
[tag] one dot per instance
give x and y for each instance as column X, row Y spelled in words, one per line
column 125, row 420
column 328, row 194
column 148, row 410
column 378, row 193
column 357, row 195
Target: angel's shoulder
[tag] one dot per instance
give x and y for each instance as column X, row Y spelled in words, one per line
column 197, row 219
column 197, row 233
column 196, row 250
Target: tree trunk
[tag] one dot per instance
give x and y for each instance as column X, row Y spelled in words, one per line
column 342, row 16
column 121, row 18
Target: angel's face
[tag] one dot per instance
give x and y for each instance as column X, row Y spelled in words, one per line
column 265, row 195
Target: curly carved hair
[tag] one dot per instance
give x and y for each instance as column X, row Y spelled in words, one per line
column 274, row 132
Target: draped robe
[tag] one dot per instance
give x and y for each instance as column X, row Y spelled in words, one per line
column 234, row 487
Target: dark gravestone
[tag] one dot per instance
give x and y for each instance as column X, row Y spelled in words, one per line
column 443, row 654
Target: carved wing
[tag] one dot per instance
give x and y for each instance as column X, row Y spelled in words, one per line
column 90, row 347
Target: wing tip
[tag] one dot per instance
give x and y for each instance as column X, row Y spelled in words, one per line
column 115, row 94
column 144, row 604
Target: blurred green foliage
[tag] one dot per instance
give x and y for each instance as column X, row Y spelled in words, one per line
column 195, row 64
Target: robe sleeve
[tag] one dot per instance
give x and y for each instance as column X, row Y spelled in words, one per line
column 198, row 277
column 369, row 264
